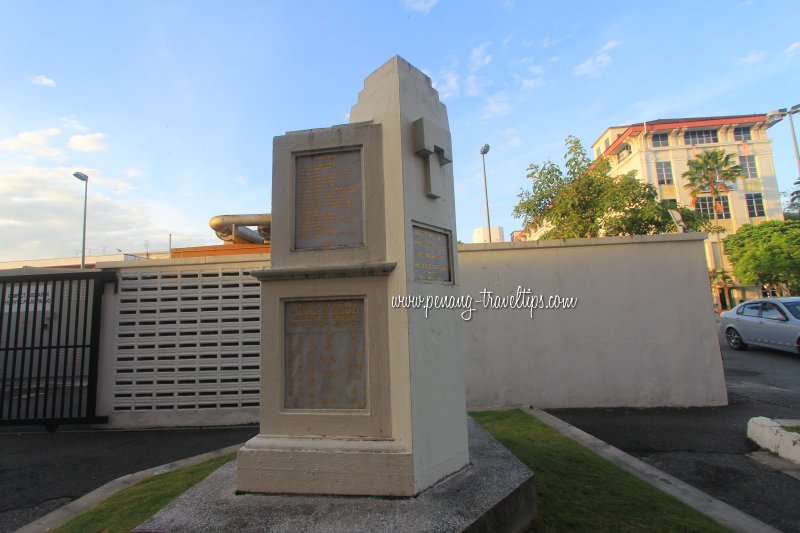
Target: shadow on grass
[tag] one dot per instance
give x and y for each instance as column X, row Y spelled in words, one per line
column 131, row 506
column 577, row 490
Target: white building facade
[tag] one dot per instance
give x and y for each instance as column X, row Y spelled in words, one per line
column 659, row 152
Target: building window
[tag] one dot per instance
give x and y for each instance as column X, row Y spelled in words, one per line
column 755, row 204
column 700, row 137
column 624, row 152
column 705, row 205
column 748, row 164
column 607, row 143
column 664, row 172
column 742, row 134
column 660, row 139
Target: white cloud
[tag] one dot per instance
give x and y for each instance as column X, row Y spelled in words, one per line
column 496, row 105
column 532, row 83
column 423, row 6
column 479, row 58
column 792, row 49
column 450, row 86
column 91, row 142
column 115, row 185
column 514, row 142
column 593, row 67
column 41, row 79
column 72, row 123
column 51, row 198
column 33, row 143
column 132, row 172
column 597, row 64
column 547, row 42
column 752, row 58
column 534, row 77
column 676, row 100
column 610, row 45
column 241, row 180
column 475, row 84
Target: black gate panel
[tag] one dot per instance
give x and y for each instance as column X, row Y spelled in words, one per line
column 49, row 347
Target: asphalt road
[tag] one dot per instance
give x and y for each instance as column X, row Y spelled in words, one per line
column 707, row 447
column 40, row 471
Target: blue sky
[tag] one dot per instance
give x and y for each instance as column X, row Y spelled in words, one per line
column 170, row 107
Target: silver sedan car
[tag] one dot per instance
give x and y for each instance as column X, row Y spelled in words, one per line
column 770, row 322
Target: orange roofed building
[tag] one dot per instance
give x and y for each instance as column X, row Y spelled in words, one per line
column 659, row 151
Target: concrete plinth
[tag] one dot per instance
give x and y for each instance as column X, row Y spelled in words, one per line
column 495, row 492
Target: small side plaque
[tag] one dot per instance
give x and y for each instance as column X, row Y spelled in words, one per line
column 431, row 255
column 324, row 359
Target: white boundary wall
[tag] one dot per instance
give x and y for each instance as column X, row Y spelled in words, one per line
column 642, row 335
column 180, row 340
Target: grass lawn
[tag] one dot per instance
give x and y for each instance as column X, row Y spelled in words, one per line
column 131, row 506
column 578, row 490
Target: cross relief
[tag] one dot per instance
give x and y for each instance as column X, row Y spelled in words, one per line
column 432, row 144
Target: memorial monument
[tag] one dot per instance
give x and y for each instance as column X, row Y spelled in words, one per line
column 358, row 398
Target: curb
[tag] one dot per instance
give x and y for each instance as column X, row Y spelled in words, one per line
column 720, row 511
column 770, row 435
column 69, row 511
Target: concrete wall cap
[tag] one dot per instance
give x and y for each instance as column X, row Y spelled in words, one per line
column 592, row 241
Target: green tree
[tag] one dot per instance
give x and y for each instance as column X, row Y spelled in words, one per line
column 584, row 200
column 792, row 211
column 712, row 173
column 548, row 180
column 767, row 254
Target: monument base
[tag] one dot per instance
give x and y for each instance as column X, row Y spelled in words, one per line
column 304, row 465
column 495, row 492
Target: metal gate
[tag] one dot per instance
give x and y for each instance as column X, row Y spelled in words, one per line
column 49, row 347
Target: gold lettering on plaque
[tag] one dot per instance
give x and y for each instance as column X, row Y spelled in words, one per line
column 328, row 204
column 431, row 255
column 324, row 355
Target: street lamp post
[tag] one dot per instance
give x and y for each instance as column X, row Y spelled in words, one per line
column 484, row 151
column 776, row 116
column 85, row 179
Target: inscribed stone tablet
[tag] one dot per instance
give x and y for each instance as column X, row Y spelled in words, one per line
column 328, row 208
column 324, row 358
column 431, row 255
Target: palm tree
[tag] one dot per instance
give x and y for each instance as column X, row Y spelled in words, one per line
column 794, row 197
column 713, row 172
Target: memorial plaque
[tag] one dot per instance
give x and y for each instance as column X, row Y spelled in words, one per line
column 324, row 355
column 328, row 207
column 431, row 255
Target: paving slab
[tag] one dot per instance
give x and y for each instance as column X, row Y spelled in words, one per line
column 495, row 492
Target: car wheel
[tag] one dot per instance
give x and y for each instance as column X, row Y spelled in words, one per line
column 735, row 340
